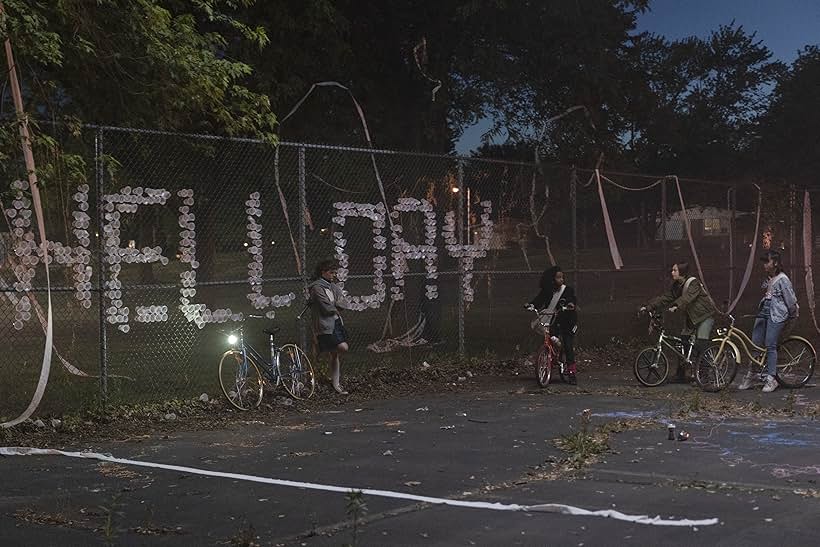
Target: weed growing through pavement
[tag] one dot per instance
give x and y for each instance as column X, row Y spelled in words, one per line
column 356, row 508
column 245, row 537
column 111, row 512
column 584, row 445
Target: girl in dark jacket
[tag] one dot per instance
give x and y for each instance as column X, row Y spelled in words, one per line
column 553, row 291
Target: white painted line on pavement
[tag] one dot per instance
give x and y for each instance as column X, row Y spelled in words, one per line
column 494, row 506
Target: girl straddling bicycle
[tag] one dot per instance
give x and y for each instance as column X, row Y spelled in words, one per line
column 326, row 298
column 688, row 294
column 777, row 307
column 553, row 290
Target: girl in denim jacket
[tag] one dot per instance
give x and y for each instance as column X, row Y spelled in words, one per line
column 778, row 306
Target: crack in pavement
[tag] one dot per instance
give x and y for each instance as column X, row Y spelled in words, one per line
column 661, row 479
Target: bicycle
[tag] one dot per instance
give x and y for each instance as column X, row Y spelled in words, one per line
column 243, row 382
column 550, row 351
column 652, row 365
column 717, row 367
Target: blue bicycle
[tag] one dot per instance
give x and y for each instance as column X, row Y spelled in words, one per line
column 244, row 372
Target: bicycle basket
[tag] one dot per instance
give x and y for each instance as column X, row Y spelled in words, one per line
column 541, row 324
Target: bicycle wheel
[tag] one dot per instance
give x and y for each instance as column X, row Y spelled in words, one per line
column 543, row 366
column 651, row 367
column 795, row 362
column 296, row 372
column 714, row 372
column 240, row 380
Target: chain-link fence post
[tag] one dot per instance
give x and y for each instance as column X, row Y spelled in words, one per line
column 460, row 289
column 573, row 197
column 663, row 224
column 99, row 171
column 731, row 199
column 302, row 237
column 792, row 253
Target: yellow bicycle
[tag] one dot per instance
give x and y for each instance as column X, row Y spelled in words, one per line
column 718, row 365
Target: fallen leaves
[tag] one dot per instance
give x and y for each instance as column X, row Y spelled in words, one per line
column 117, row 471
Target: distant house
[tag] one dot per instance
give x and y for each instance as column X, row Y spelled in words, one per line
column 705, row 222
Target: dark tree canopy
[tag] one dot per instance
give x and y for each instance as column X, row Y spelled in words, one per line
column 716, row 107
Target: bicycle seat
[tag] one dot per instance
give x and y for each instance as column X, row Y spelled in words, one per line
column 272, row 331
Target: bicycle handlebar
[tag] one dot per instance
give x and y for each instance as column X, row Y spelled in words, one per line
column 544, row 311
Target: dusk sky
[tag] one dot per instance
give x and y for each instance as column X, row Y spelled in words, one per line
column 785, row 26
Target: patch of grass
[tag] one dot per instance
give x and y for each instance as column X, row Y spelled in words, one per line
column 631, row 424
column 791, row 399
column 583, row 447
column 693, row 404
column 245, row 537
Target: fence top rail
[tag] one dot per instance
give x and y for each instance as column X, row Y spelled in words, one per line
column 290, row 144
column 670, row 177
column 386, row 152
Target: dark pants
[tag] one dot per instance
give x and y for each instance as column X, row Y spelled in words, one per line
column 431, row 311
column 702, row 338
column 567, row 336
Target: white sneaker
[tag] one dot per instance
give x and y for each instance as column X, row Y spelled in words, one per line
column 770, row 384
column 748, row 381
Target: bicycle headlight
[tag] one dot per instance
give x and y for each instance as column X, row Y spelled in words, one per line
column 722, row 332
column 232, row 339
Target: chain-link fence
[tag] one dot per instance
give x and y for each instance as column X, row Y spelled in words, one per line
column 172, row 241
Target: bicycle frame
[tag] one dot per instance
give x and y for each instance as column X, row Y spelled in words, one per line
column 247, row 349
column 663, row 341
column 547, row 326
column 548, row 342
column 656, row 322
column 739, row 339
